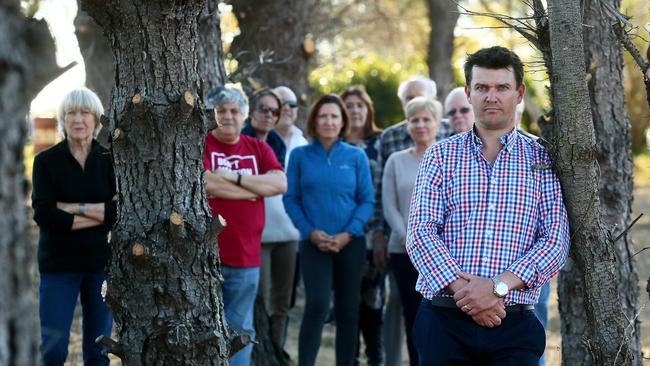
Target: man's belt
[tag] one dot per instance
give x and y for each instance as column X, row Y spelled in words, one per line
column 448, row 302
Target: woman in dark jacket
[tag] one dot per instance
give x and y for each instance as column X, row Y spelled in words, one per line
column 364, row 134
column 73, row 189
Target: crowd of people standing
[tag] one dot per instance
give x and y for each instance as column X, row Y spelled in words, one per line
column 334, row 207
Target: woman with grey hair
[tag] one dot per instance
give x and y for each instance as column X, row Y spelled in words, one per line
column 72, row 197
column 423, row 120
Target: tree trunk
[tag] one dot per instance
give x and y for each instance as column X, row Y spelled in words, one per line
column 443, row 15
column 612, row 130
column 597, row 263
column 210, row 48
column 97, row 55
column 27, row 64
column 164, row 286
column 278, row 27
column 265, row 353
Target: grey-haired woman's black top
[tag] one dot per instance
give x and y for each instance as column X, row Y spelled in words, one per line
column 58, row 176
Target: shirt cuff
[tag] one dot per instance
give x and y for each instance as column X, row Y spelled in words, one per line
column 446, row 273
column 527, row 273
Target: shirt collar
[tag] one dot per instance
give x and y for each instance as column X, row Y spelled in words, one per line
column 507, row 140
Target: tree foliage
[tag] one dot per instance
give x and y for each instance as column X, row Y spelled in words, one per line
column 380, row 77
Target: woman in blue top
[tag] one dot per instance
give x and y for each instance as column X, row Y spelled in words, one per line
column 329, row 200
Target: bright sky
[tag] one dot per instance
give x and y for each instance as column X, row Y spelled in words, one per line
column 60, row 14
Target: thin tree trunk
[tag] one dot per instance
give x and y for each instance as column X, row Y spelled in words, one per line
column 210, row 48
column 27, row 64
column 279, row 27
column 265, row 353
column 443, row 15
column 612, row 130
column 164, row 286
column 606, row 332
column 97, row 55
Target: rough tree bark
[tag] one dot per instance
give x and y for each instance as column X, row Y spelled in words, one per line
column 281, row 28
column 98, row 58
column 607, row 334
column 164, row 286
column 443, row 15
column 27, row 64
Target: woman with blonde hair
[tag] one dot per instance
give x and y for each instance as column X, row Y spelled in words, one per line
column 423, row 120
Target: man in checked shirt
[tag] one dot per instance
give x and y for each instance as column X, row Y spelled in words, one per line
column 487, row 229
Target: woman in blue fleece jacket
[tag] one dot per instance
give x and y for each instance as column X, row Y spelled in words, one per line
column 329, row 200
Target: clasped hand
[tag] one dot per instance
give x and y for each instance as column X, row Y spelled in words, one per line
column 477, row 299
column 329, row 243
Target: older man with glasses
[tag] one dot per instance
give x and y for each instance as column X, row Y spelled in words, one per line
column 286, row 126
column 459, row 111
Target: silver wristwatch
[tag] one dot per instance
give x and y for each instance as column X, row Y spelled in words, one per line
column 499, row 288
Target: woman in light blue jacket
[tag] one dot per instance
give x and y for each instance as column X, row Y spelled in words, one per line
column 329, row 200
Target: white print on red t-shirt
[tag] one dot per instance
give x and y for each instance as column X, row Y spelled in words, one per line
column 237, row 164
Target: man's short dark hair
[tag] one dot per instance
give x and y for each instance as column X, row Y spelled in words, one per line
column 495, row 57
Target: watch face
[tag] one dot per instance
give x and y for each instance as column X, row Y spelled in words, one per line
column 501, row 289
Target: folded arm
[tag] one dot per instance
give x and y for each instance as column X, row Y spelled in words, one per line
column 216, row 186
column 271, row 183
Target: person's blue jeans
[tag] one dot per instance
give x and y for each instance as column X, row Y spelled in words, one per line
column 541, row 310
column 406, row 277
column 57, row 299
column 239, row 291
column 320, row 271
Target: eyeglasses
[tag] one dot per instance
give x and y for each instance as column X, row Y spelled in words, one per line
column 264, row 109
column 290, row 103
column 463, row 110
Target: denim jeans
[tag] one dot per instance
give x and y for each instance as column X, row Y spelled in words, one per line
column 239, row 291
column 541, row 310
column 321, row 272
column 58, row 297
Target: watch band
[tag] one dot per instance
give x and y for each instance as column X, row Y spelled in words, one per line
column 238, row 180
column 82, row 208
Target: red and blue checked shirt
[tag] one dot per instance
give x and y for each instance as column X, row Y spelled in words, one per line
column 467, row 215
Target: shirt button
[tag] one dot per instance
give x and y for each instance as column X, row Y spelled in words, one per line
column 492, row 207
column 488, row 233
column 485, row 259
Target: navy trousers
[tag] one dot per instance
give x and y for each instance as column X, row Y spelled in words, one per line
column 447, row 336
column 407, row 276
column 321, row 272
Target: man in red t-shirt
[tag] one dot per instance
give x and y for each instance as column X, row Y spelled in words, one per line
column 240, row 171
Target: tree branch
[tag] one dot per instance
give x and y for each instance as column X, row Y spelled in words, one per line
column 625, row 40
column 627, row 229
